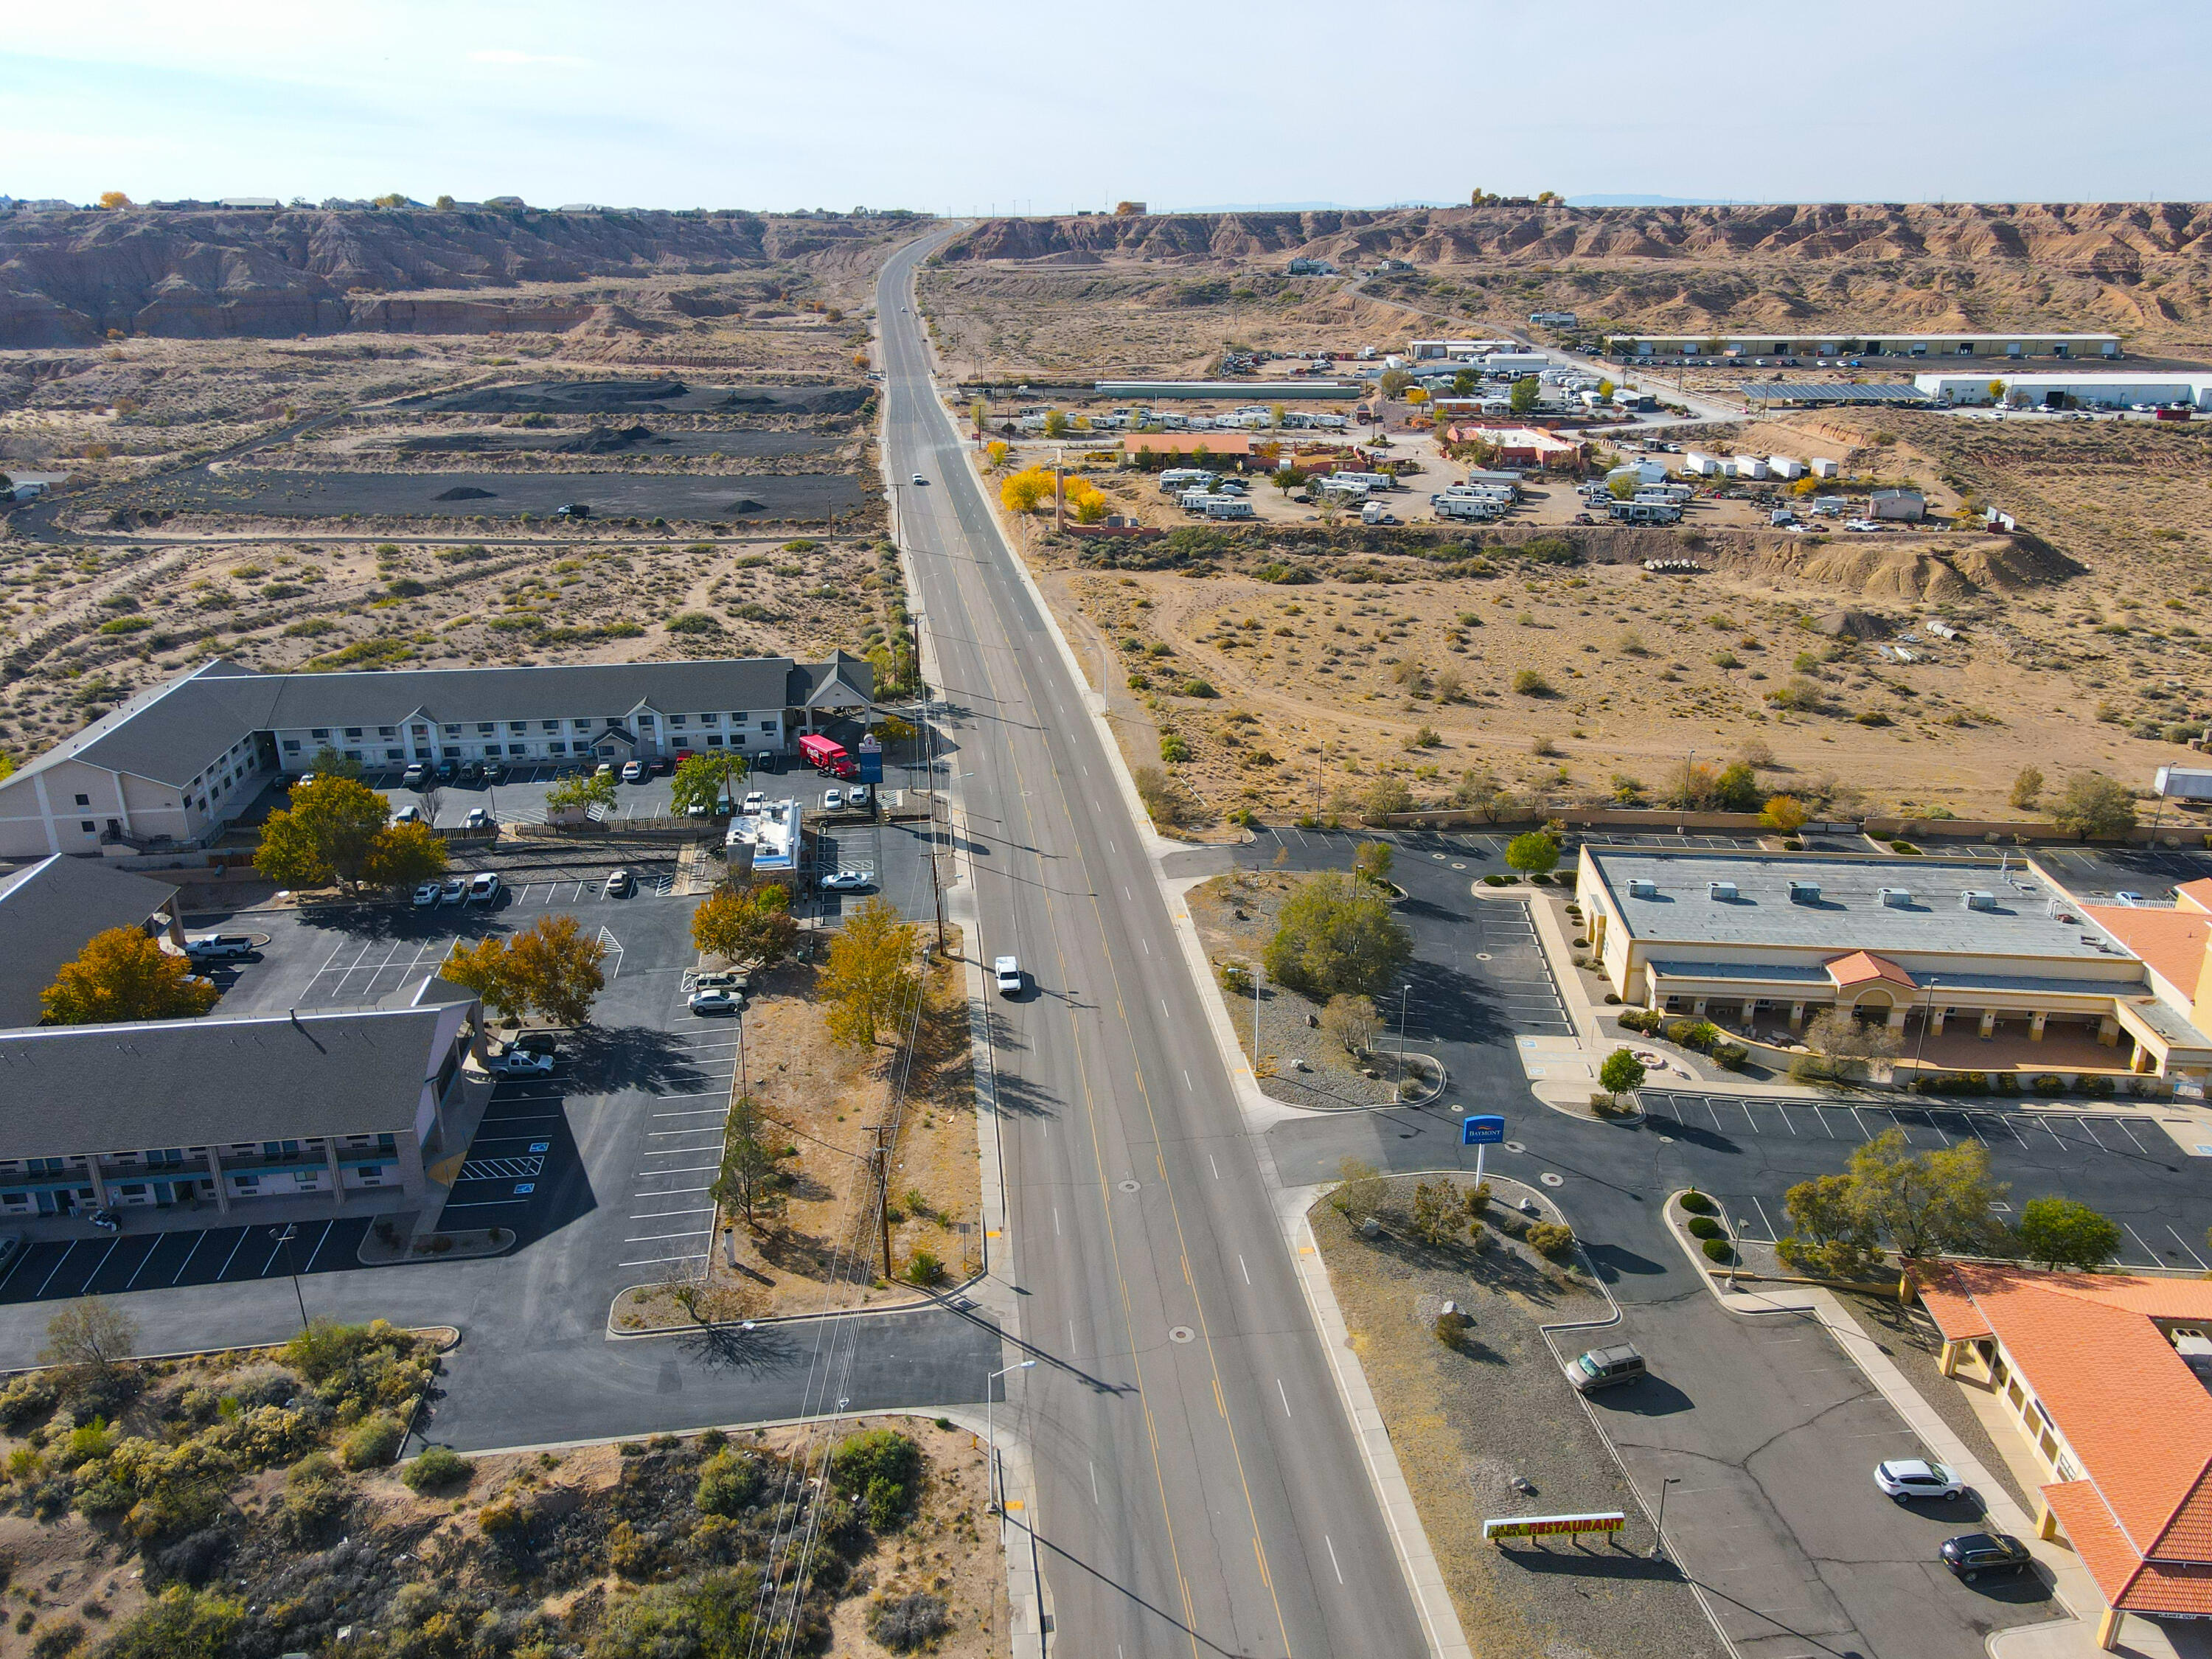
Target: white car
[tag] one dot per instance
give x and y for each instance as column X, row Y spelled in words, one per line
column 520, row 1062
column 1007, row 972
column 844, row 881
column 833, row 800
column 218, row 947
column 455, row 892
column 714, row 1002
column 1860, row 523
column 753, row 802
column 408, row 815
column 723, row 979
column 426, row 895
column 1907, row 1477
column 919, row 479
column 478, row 818
column 484, row 887
column 859, row 798
column 633, row 772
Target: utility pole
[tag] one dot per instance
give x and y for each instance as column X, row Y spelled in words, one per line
column 883, row 1165
column 1398, row 1083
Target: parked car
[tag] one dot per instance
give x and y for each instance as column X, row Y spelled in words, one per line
column 2129, row 898
column 520, row 1062
column 426, row 895
column 1971, row 1553
column 495, row 773
column 604, row 770
column 619, row 884
column 1007, row 972
column 408, row 815
column 416, row 775
column 484, row 887
column 1907, row 1477
column 1601, row 1368
column 633, row 772
column 218, row 947
column 844, row 881
column 753, row 802
column 833, row 800
column 714, row 1002
column 471, row 772
column 862, row 797
column 446, row 771
column 478, row 818
column 726, row 979
column 537, row 1043
column 572, row 510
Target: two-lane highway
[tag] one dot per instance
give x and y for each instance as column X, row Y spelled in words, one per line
column 1197, row 1485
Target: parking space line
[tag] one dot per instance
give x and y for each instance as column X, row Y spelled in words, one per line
column 688, row 1169
column 57, row 1267
column 233, row 1256
column 198, row 1240
column 328, row 1226
column 2127, row 1129
column 493, row 1204
column 656, row 1215
column 658, row 1261
column 2089, row 1129
column 701, row 1111
column 99, row 1264
column 662, row 1238
column 2147, row 1251
column 674, row 1192
column 132, row 1282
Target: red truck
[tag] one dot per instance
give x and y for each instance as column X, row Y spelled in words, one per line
column 828, row 756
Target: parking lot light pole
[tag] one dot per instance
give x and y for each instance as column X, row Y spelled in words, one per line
column 1659, row 1538
column 1927, row 1013
column 991, row 1439
column 285, row 1236
column 1398, row 1081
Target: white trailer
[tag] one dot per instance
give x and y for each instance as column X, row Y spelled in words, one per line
column 1466, row 508
column 1224, row 507
column 1782, row 466
column 1751, row 466
column 1701, row 466
column 1823, row 468
column 2182, row 783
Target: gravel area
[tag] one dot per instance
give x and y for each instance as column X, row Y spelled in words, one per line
column 1467, row 1423
column 1235, row 917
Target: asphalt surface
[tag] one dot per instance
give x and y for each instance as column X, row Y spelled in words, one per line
column 503, row 494
column 1197, row 1487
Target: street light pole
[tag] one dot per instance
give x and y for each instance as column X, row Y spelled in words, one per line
column 1659, row 1540
column 1399, row 1082
column 1927, row 1013
column 991, row 1438
column 285, row 1236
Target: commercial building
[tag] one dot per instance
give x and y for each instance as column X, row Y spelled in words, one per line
column 2082, row 388
column 1520, row 445
column 1909, row 506
column 1221, row 446
column 175, row 763
column 1293, row 391
column 187, row 1116
column 1863, row 345
column 1927, row 947
column 1459, row 350
column 50, row 909
column 2105, row 1376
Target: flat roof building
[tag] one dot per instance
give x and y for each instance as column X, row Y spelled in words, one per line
column 1923, row 945
column 1285, row 390
column 49, row 909
column 2058, row 389
column 1875, row 344
column 175, row 763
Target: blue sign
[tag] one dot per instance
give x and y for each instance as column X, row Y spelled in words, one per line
column 1482, row 1130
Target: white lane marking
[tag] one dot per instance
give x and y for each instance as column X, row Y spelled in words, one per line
column 1212, row 1165
column 656, row 1238
column 668, row 1191
column 1127, row 895
column 707, row 1111
column 1147, row 944
column 656, row 1215
column 2184, row 1242
column 1094, row 1491
column 687, row 1168
column 1246, row 1271
column 227, row 1260
column 1285, row 1398
column 1055, row 1221
column 2145, row 1243
column 1163, row 1009
column 656, row 1260
column 1331, row 1557
column 195, row 1250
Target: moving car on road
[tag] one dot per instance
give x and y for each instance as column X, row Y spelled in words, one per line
column 1907, row 1477
column 1007, row 972
column 1971, row 1553
column 919, row 479
column 714, row 1002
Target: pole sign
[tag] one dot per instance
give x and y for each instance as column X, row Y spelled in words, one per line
column 1485, row 1129
column 1552, row 1526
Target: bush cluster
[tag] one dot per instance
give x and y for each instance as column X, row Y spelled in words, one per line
column 1698, row 1204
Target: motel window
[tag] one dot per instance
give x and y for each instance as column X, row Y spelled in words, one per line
column 518, row 726
column 550, row 725
column 84, row 800
column 319, row 732
column 421, row 731
column 452, row 730
column 518, row 749
column 484, row 728
column 645, row 722
column 710, row 720
column 387, row 731
column 353, row 731
column 395, row 754
column 675, row 719
column 580, row 726
column 714, row 740
column 86, row 824
column 291, row 745
column 556, row 747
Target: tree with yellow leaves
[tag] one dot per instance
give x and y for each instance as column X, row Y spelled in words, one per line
column 1086, row 500
column 112, row 200
column 869, row 981
column 123, row 975
column 996, row 451
column 1026, row 490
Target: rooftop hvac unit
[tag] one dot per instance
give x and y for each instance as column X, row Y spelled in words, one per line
column 1804, row 892
column 1642, row 887
column 1720, row 890
column 1974, row 899
column 1897, row 898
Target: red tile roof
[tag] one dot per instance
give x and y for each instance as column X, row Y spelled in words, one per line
column 2195, row 895
column 1861, row 966
column 2171, row 941
column 2135, row 1415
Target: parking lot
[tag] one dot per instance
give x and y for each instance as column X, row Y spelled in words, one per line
column 209, row 1256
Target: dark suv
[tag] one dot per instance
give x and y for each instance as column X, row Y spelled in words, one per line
column 1973, row 1553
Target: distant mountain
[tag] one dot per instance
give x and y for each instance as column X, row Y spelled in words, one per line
column 1306, row 207
column 1655, row 201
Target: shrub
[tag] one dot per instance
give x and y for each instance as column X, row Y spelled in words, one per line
column 26, row 1399
column 904, row 1623
column 1698, row 1204
column 1451, row 1328
column 1174, row 747
column 1730, row 1055
column 182, row 1625
column 1494, row 880
column 1551, row 1239
column 728, row 1483
column 1530, row 684
column 924, row 1268
column 879, row 1468
column 1704, row 1226
column 1198, row 688
column 2049, row 1083
column 1904, row 847
column 503, row 1517
column 374, row 1442
column 438, row 1468
column 1720, row 1250
column 314, row 1499
column 692, row 622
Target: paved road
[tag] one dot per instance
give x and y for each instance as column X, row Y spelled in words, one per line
column 1198, row 1487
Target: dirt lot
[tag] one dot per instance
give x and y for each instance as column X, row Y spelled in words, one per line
column 1468, row 1421
column 819, row 1245
column 688, row 499
column 246, row 1481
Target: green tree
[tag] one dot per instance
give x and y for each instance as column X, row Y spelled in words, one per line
column 2092, row 805
column 880, row 1470
column 89, row 1339
column 1395, row 381
column 404, row 855
column 701, row 780
column 183, row 1623
column 2027, row 788
column 1371, row 860
column 122, row 975
column 748, row 1176
column 1622, row 487
column 1736, row 789
column 1526, row 390
column 1621, row 1073
column 329, row 764
column 1533, row 853
column 755, row 928
column 1924, row 1202
column 327, row 834
column 1337, row 935
column 586, row 789
column 2060, row 1232
column 1463, row 384
column 557, row 968
column 1831, row 1237
column 869, row 981
column 1055, row 423
column 1384, row 797
column 1360, row 1188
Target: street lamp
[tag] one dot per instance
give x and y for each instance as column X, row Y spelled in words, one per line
column 990, row 1434
column 1927, row 1013
column 1659, row 1539
column 1398, row 1082
column 284, row 1236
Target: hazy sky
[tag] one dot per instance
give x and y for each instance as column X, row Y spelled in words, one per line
column 674, row 103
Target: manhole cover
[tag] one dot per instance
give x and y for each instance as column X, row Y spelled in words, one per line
column 1459, row 866
column 1128, row 1186
column 1551, row 1179
column 1482, row 956
column 1438, row 857
column 1181, row 1334
column 1666, row 1140
column 1515, row 1146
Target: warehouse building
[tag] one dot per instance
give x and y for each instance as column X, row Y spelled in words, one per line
column 1975, row 967
column 182, row 1116
column 1292, row 390
column 2081, row 389
column 175, row 763
column 1867, row 345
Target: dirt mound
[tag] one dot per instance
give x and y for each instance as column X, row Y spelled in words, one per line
column 550, row 397
column 747, row 504
column 463, row 493
column 1851, row 622
column 608, row 440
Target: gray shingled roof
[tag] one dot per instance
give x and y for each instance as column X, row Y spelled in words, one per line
column 47, row 912
column 173, row 732
column 71, row 1089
